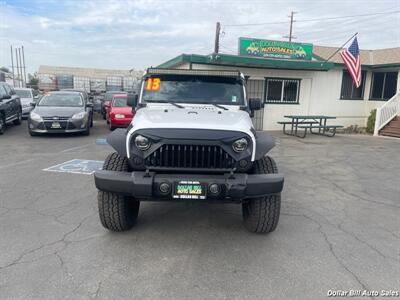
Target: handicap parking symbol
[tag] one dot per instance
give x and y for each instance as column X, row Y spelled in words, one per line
column 77, row 166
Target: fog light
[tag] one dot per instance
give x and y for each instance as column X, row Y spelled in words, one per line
column 243, row 163
column 214, row 189
column 164, row 188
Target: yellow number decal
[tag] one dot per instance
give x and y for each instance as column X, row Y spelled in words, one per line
column 153, row 84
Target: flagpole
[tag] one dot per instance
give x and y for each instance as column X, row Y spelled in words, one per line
column 341, row 47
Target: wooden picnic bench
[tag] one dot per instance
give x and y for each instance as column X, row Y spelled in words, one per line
column 309, row 122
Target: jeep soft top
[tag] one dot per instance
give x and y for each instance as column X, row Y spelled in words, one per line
column 192, row 138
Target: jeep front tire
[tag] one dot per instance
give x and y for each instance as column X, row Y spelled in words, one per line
column 117, row 212
column 261, row 215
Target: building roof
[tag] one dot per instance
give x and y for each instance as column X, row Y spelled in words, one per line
column 373, row 58
column 369, row 58
column 87, row 72
column 247, row 61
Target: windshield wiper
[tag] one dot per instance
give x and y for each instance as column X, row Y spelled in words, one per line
column 175, row 104
column 219, row 106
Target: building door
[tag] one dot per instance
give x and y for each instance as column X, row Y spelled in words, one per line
column 255, row 89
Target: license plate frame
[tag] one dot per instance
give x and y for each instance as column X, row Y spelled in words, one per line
column 190, row 190
column 55, row 125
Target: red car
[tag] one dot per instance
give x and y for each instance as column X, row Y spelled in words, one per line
column 118, row 113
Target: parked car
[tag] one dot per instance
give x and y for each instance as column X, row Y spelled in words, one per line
column 97, row 103
column 10, row 106
column 106, row 101
column 62, row 111
column 191, row 139
column 27, row 97
column 87, row 99
column 119, row 114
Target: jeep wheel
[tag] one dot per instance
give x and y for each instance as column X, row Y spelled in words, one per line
column 117, row 212
column 2, row 124
column 18, row 121
column 261, row 215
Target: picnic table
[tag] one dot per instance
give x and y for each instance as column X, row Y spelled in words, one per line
column 315, row 123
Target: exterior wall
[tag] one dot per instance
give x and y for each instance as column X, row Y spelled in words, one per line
column 319, row 95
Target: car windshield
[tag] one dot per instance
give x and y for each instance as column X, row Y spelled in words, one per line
column 109, row 96
column 23, row 93
column 193, row 89
column 71, row 100
column 119, row 102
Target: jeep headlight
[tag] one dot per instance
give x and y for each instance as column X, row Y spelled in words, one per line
column 239, row 145
column 142, row 142
column 78, row 116
column 36, row 117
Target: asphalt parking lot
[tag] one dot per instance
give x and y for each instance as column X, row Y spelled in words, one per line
column 339, row 228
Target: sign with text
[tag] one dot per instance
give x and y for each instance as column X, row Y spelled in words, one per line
column 274, row 49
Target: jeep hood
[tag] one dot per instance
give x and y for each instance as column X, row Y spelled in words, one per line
column 192, row 117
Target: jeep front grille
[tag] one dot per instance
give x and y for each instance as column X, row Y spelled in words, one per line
column 190, row 156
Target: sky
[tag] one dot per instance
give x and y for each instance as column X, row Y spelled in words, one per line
column 126, row 34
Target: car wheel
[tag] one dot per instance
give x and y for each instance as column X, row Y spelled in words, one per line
column 2, row 124
column 18, row 121
column 31, row 133
column 116, row 211
column 261, row 215
column 87, row 131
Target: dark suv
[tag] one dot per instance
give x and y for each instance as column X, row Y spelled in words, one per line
column 10, row 106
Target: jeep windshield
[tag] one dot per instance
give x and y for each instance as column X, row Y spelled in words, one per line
column 193, row 89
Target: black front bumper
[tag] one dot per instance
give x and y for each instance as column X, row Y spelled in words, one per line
column 145, row 186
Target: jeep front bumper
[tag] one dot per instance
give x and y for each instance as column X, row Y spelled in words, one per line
column 146, row 186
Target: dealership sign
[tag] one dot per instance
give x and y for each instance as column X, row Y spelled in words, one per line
column 274, row 49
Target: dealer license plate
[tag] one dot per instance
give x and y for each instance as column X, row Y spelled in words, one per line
column 55, row 125
column 188, row 189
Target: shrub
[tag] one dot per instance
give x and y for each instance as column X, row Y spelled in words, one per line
column 371, row 121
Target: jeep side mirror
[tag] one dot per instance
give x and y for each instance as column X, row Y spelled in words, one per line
column 255, row 104
column 132, row 100
column 33, row 104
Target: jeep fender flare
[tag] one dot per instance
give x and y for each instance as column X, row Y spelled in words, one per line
column 264, row 143
column 117, row 140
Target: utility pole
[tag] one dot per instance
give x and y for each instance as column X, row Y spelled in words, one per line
column 20, row 66
column 217, row 33
column 23, row 60
column 18, row 77
column 290, row 36
column 12, row 65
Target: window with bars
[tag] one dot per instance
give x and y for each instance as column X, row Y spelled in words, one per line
column 284, row 91
column 349, row 90
column 383, row 85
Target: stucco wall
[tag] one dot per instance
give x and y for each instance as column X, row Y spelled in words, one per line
column 319, row 94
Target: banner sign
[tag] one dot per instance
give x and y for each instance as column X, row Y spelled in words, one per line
column 274, row 49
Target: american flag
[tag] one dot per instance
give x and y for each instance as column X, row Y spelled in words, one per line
column 351, row 58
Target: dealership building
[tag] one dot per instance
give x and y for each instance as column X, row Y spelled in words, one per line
column 297, row 79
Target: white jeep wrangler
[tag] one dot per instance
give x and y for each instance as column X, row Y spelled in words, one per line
column 191, row 138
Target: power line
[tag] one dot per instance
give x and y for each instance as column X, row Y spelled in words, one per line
column 317, row 19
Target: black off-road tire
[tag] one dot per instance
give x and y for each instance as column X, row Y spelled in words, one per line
column 19, row 120
column 2, row 124
column 261, row 215
column 117, row 212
